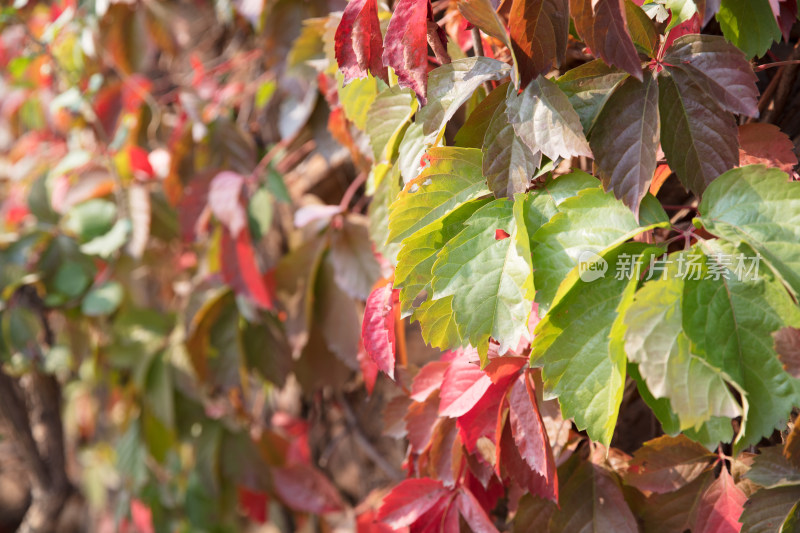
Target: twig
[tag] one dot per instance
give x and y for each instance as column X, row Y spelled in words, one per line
column 477, row 47
column 351, row 190
column 364, row 443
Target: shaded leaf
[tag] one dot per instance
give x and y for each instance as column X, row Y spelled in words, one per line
column 674, row 512
column 355, row 268
column 359, row 43
column 641, row 28
column 471, row 134
column 719, row 68
column 772, row 469
column 667, row 463
column 603, row 27
column 768, row 510
column 538, row 31
column 765, row 144
column 508, row 162
column 588, row 88
column 787, row 345
column 625, row 140
column 699, row 139
column 592, row 500
column 545, row 120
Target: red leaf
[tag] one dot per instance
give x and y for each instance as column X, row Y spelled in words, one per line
column 445, row 458
column 511, row 462
column 603, row 27
column 539, row 30
column 377, row 330
column 720, row 507
column 500, row 234
column 765, row 144
column 529, row 432
column 367, row 522
column 463, row 386
column 142, row 517
column 240, row 270
column 358, row 42
column 501, row 370
column 428, row 379
column 409, row 500
column 134, row 92
column 225, row 200
column 473, row 513
column 192, row 205
column 368, row 369
column 786, row 17
column 304, row 488
column 140, row 163
column 254, row 504
column 481, row 420
column 406, row 45
column 693, row 25
column 420, row 421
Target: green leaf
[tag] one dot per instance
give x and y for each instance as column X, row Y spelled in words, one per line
column 588, row 88
column 357, row 97
column 710, row 434
column 489, row 278
column 572, row 345
column 590, row 222
column 410, row 151
column 749, row 24
column 673, row 368
column 641, row 28
column 508, row 162
column 681, row 10
column 259, row 213
column 437, row 321
column 694, row 336
column 449, row 86
column 474, row 129
column 415, row 260
column 91, row 219
column 625, row 140
column 378, row 213
column 103, row 300
column 700, row 140
column 545, row 120
column 387, row 119
column 760, row 207
column 71, row 279
column 452, row 178
column 107, row 244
